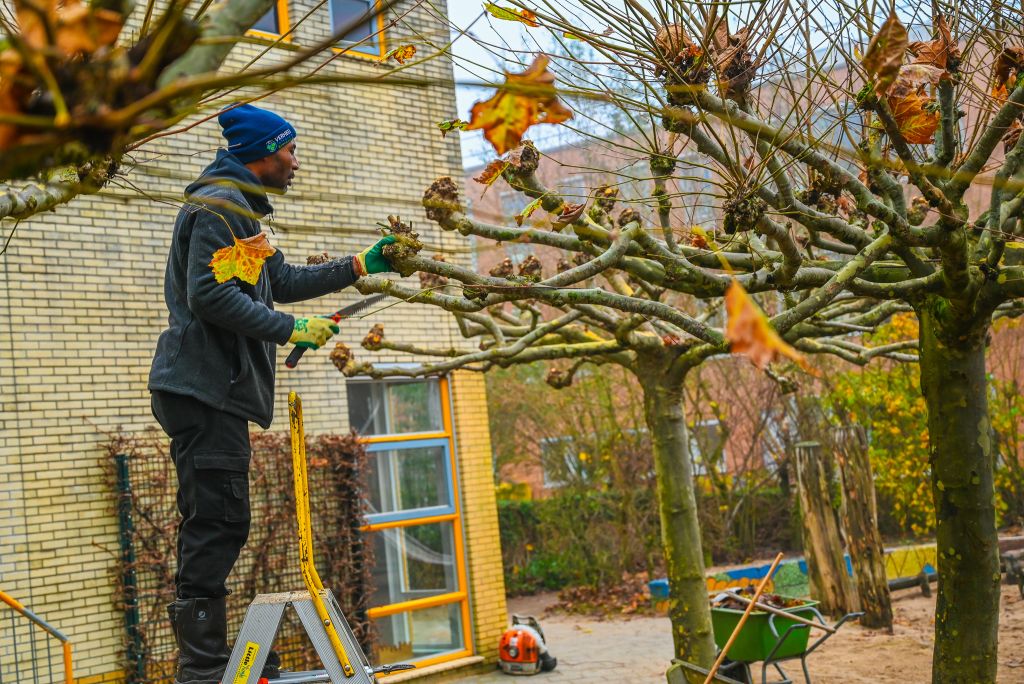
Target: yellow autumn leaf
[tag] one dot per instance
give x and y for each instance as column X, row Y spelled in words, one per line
column 528, row 210
column 524, row 16
column 400, row 54
column 243, row 260
column 523, row 100
column 749, row 332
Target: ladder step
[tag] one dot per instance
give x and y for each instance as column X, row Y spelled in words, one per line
column 301, row 677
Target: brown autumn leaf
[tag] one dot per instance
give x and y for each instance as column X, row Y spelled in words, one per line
column 749, row 332
column 697, row 240
column 912, row 77
column 78, row 28
column 83, row 30
column 673, row 41
column 524, row 100
column 917, row 123
column 491, row 172
column 1009, row 66
column 884, row 56
column 939, row 52
column 568, row 214
column 734, row 63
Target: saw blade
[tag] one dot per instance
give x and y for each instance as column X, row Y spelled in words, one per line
column 355, row 308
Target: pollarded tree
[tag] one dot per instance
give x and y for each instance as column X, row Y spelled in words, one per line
column 612, row 303
column 847, row 188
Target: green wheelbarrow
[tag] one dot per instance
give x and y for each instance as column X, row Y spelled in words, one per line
column 770, row 638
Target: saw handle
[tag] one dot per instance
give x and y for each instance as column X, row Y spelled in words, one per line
column 293, row 359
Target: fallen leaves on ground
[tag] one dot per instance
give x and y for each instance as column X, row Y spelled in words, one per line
column 631, row 596
column 524, row 100
column 243, row 260
column 749, row 332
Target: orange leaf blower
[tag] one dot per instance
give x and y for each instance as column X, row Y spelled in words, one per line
column 522, row 649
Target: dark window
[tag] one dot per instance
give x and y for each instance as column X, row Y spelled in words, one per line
column 344, row 12
column 269, row 22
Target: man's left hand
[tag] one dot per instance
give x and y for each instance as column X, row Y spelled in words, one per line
column 372, row 260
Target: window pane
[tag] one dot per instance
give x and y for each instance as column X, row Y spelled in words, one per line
column 343, row 12
column 413, row 563
column 418, row 634
column 390, row 408
column 268, row 22
column 406, row 479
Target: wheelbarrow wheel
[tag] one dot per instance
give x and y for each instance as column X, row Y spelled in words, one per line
column 682, row 672
column 737, row 670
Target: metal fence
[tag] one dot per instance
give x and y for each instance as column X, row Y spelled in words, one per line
column 144, row 477
column 32, row 651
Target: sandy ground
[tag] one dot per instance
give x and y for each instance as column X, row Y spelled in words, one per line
column 637, row 650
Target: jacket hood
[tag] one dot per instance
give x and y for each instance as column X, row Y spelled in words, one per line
column 227, row 168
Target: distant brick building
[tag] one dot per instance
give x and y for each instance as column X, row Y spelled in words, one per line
column 81, row 307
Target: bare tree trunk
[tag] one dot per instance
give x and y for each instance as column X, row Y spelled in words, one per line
column 954, row 384
column 689, row 608
column 826, row 566
column 861, row 522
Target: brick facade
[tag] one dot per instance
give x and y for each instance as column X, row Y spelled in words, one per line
column 81, row 306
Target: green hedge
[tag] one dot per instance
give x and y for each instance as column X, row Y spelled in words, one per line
column 591, row 538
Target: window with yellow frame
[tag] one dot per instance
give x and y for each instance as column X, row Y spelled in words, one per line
column 366, row 38
column 420, row 606
column 273, row 23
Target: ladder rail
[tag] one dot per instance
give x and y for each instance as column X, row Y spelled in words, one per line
column 309, row 573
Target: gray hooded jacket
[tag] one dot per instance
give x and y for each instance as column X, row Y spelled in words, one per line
column 219, row 346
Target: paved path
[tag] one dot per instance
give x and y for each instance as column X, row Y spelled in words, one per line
column 620, row 651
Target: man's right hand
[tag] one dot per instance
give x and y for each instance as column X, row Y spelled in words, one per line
column 313, row 332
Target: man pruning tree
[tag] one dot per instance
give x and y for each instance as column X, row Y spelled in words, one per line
column 213, row 370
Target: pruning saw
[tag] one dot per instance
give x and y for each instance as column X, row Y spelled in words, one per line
column 345, row 312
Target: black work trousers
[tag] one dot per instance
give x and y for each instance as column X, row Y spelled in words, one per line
column 211, row 451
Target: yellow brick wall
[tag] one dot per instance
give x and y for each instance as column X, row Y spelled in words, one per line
column 476, row 471
column 81, row 307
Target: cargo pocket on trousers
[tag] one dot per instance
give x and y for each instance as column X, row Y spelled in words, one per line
column 222, row 486
column 236, row 499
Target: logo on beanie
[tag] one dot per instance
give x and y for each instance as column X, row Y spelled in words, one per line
column 272, row 145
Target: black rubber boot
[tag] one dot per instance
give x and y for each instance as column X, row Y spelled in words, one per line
column 272, row 666
column 200, row 626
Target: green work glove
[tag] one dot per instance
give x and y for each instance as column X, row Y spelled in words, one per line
column 372, row 259
column 313, row 332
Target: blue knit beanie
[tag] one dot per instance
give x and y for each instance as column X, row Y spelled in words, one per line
column 254, row 133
